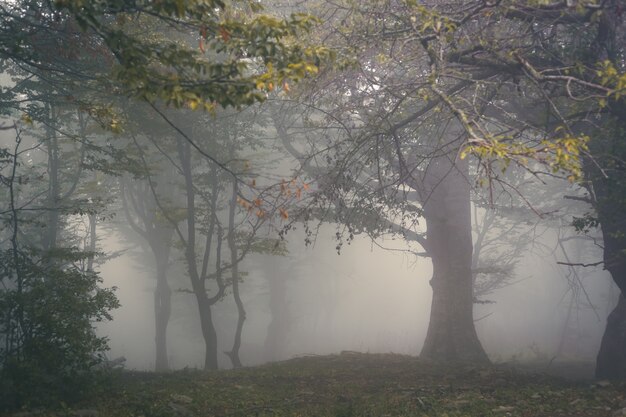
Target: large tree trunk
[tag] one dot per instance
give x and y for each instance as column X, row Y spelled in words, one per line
column 451, row 334
column 608, row 148
column 611, row 361
column 609, row 193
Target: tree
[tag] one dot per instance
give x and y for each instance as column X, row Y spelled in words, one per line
column 535, row 81
column 49, row 300
column 51, row 292
column 481, row 66
column 198, row 274
column 216, row 214
column 82, row 59
column 385, row 170
column 171, row 70
column 151, row 225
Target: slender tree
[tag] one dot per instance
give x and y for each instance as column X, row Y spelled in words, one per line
column 144, row 216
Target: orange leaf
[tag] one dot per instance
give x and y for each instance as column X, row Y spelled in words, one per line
column 224, row 33
column 243, row 203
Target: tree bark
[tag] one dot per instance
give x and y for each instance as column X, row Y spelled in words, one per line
column 608, row 187
column 609, row 203
column 451, row 334
column 208, row 334
column 611, row 361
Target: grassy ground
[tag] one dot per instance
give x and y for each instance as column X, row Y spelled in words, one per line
column 353, row 384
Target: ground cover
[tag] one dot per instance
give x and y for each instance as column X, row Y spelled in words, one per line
column 352, row 384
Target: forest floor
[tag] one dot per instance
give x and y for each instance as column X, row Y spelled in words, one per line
column 356, row 384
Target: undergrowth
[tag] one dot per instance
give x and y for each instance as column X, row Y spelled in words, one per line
column 351, row 384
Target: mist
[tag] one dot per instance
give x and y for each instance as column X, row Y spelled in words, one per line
column 320, row 198
column 372, row 297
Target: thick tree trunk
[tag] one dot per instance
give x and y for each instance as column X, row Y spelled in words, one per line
column 611, row 361
column 451, row 334
column 609, row 187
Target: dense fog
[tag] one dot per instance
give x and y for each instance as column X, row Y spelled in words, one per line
column 210, row 185
column 373, row 297
column 371, row 294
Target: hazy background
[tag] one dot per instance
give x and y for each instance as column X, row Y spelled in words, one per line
column 366, row 299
